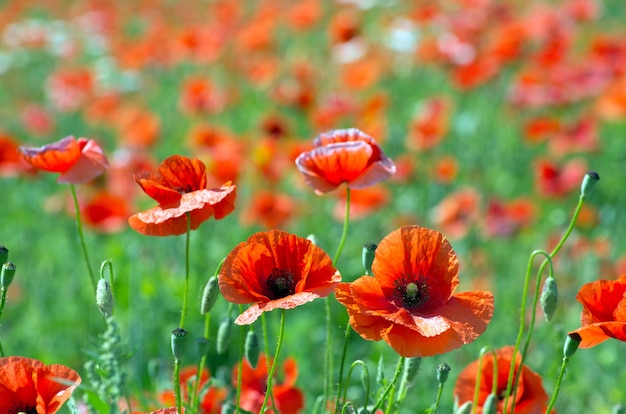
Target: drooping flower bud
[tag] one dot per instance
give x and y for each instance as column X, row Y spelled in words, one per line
column 491, row 404
column 443, row 370
column 367, row 257
column 571, row 344
column 104, row 298
column 589, row 182
column 7, row 274
column 549, row 298
column 252, row 348
column 465, row 408
column 179, row 343
column 4, row 255
column 202, row 347
column 224, row 333
column 209, row 295
column 410, row 369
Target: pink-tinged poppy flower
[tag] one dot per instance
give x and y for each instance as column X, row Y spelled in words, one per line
column 604, row 311
column 275, row 270
column 410, row 302
column 344, row 156
column 530, row 398
column 29, row 386
column 78, row 160
column 180, row 187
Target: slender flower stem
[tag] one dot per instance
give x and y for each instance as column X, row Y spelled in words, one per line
column 79, row 225
column 2, row 303
column 195, row 396
column 183, row 312
column 341, row 365
column 558, row 385
column 392, row 384
column 344, row 233
column 439, row 393
column 240, row 371
column 179, row 401
column 270, row 375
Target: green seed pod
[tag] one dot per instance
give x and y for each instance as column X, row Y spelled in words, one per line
column 367, row 257
column 410, row 369
column 179, row 343
column 549, row 298
column 364, row 411
column 465, row 408
column 443, row 370
column 104, row 298
column 6, row 275
column 589, row 182
column 491, row 404
column 209, row 295
column 4, row 255
column 571, row 344
column 252, row 348
column 224, row 334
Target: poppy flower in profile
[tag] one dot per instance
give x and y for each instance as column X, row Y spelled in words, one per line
column 288, row 398
column 530, row 398
column 29, row 386
column 344, row 156
column 78, row 160
column 410, row 301
column 180, row 186
column 604, row 311
column 275, row 270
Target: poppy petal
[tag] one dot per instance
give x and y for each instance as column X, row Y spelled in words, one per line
column 91, row 163
column 600, row 298
column 185, row 174
column 56, row 157
column 596, row 333
column 469, row 313
column 251, row 314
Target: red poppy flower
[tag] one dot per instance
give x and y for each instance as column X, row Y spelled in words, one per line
column 211, row 399
column 288, row 398
column 29, row 386
column 276, row 270
column 410, row 301
column 180, row 187
column 604, row 311
column 530, row 398
column 78, row 160
column 344, row 156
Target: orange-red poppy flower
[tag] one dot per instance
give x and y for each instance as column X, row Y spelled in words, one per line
column 288, row 398
column 29, row 386
column 530, row 398
column 180, row 187
column 78, row 160
column 604, row 311
column 211, row 399
column 276, row 270
column 410, row 302
column 106, row 212
column 344, row 156
column 11, row 163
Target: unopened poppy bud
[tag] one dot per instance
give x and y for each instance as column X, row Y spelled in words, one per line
column 364, row 411
column 589, row 182
column 313, row 239
column 104, row 298
column 202, row 347
column 465, row 408
column 410, row 369
column 549, row 298
column 224, row 333
column 443, row 370
column 491, row 404
column 179, row 343
column 7, row 274
column 209, row 295
column 228, row 408
column 4, row 255
column 571, row 344
column 252, row 348
column 618, row 409
column 368, row 257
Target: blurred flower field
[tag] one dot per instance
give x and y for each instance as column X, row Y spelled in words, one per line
column 479, row 121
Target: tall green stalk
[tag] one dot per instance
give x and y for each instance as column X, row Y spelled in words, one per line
column 183, row 312
column 270, row 374
column 79, row 225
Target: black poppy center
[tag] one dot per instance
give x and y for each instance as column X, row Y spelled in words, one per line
column 22, row 408
column 183, row 189
column 280, row 283
column 410, row 293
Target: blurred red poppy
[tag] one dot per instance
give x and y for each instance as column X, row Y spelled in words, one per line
column 344, row 156
column 410, row 301
column 269, row 209
column 180, row 187
column 456, row 213
column 554, row 180
column 275, row 270
column 288, row 398
column 78, row 160
column 11, row 163
column 106, row 212
column 604, row 311
column 211, row 399
column 29, row 386
column 363, row 203
column 531, row 398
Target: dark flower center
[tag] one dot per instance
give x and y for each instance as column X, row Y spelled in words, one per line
column 187, row 188
column 20, row 408
column 280, row 283
column 410, row 292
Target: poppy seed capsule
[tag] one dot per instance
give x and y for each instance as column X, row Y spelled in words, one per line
column 571, row 344
column 465, row 408
column 368, row 257
column 7, row 275
column 224, row 333
column 443, row 370
column 491, row 404
column 209, row 295
column 251, row 348
column 104, row 298
column 549, row 298
column 179, row 343
column 4, row 255
column 589, row 182
column 410, row 369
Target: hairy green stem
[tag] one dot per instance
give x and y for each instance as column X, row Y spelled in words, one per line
column 270, row 374
column 391, row 385
column 79, row 225
column 183, row 312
